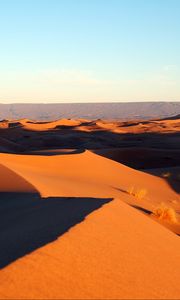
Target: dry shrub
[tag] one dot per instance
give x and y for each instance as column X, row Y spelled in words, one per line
column 138, row 194
column 166, row 174
column 165, row 213
column 130, row 191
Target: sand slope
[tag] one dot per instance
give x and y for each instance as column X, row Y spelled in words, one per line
column 117, row 252
column 86, row 174
column 12, row 182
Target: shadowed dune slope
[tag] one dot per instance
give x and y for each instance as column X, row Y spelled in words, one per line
column 171, row 175
column 141, row 157
column 12, row 182
column 8, row 146
column 28, row 222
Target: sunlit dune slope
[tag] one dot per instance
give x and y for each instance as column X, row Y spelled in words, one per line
column 113, row 126
column 41, row 126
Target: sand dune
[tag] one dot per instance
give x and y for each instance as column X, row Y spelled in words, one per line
column 113, row 252
column 71, row 228
column 136, row 126
column 41, row 126
column 85, row 174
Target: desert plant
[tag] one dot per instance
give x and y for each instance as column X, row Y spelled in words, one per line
column 166, row 174
column 138, row 194
column 165, row 213
column 130, row 190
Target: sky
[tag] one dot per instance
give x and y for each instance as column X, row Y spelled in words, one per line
column 89, row 50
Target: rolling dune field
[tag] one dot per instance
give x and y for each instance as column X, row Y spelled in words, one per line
column 90, row 209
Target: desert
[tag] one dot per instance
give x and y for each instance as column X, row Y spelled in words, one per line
column 90, row 150
column 90, row 209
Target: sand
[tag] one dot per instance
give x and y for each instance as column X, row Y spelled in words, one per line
column 71, row 228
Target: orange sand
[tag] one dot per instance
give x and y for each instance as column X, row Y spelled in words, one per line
column 117, row 252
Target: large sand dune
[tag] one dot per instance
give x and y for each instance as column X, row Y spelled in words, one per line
column 73, row 224
column 116, row 252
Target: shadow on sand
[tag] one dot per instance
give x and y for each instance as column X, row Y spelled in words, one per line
column 142, row 209
column 171, row 175
column 28, row 221
column 53, row 152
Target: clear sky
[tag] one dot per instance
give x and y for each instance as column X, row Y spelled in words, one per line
column 89, row 50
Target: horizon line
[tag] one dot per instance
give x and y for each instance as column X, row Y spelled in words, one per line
column 110, row 102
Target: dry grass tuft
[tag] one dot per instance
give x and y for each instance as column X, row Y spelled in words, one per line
column 165, row 213
column 166, row 174
column 130, row 190
column 138, row 194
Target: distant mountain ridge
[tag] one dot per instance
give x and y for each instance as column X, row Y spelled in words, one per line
column 123, row 111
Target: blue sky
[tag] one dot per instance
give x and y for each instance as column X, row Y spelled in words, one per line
column 89, row 50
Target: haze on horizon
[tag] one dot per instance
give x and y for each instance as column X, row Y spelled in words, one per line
column 89, row 51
